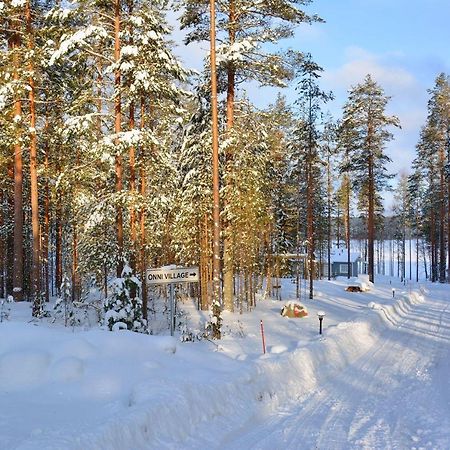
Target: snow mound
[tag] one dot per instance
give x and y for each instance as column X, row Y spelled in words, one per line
column 23, row 369
column 363, row 284
column 67, row 369
column 277, row 349
column 78, row 348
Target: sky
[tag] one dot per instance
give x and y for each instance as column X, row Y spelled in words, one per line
column 403, row 44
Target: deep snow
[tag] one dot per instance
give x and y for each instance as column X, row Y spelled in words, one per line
column 376, row 379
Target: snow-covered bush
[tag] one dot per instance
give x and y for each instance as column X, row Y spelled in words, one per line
column 214, row 327
column 123, row 308
column 64, row 308
column 5, row 309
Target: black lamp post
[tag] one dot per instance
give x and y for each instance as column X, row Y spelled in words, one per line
column 320, row 315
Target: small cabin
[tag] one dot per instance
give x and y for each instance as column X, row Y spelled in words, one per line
column 339, row 264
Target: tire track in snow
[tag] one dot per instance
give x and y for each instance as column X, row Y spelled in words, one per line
column 389, row 399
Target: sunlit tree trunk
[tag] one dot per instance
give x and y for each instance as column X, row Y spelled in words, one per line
column 310, row 225
column 117, row 130
column 15, row 43
column 46, row 236
column 132, row 163
column 442, row 217
column 433, row 258
column 329, row 196
column 371, row 208
column 346, row 194
column 217, row 298
column 228, row 263
column 142, row 190
column 36, row 260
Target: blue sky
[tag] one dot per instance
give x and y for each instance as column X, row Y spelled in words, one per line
column 403, row 44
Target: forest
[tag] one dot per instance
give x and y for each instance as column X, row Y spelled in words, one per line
column 115, row 158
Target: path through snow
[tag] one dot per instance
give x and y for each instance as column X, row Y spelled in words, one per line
column 396, row 396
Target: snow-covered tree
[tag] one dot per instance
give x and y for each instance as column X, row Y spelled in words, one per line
column 247, row 31
column 123, row 308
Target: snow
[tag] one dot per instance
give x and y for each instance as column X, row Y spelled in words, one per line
column 362, row 282
column 340, row 255
column 79, row 38
column 377, row 378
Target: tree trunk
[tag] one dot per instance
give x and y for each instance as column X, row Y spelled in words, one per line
column 347, row 225
column 204, row 259
column 310, row 226
column 117, row 130
column 75, row 284
column 371, row 211
column 18, row 177
column 46, row 237
column 442, row 217
column 329, row 193
column 410, row 255
column 9, row 238
column 338, row 227
column 448, row 201
column 216, row 263
column 58, row 246
column 132, row 162
column 2, row 249
column 36, row 260
column 424, row 260
column 142, row 190
column 433, row 268
column 228, row 260
column 417, row 257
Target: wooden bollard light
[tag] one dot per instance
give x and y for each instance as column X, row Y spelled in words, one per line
column 320, row 315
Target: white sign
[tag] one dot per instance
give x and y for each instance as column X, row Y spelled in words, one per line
column 168, row 275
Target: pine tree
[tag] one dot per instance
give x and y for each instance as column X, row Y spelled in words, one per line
column 431, row 166
column 122, row 309
column 402, row 214
column 138, row 69
column 329, row 150
column 306, row 141
column 244, row 28
column 366, row 123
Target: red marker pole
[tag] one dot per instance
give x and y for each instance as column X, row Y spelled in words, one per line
column 263, row 339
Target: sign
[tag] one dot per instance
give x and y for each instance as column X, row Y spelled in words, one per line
column 169, row 275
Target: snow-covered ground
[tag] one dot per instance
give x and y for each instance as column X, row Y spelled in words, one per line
column 378, row 378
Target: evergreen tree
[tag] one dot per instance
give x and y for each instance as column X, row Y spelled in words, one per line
column 123, row 309
column 307, row 144
column 243, row 29
column 432, row 165
column 366, row 121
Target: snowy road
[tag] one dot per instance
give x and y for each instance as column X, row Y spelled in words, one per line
column 394, row 397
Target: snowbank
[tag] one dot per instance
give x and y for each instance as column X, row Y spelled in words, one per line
column 101, row 390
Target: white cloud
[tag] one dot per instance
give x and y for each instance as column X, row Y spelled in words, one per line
column 384, row 69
